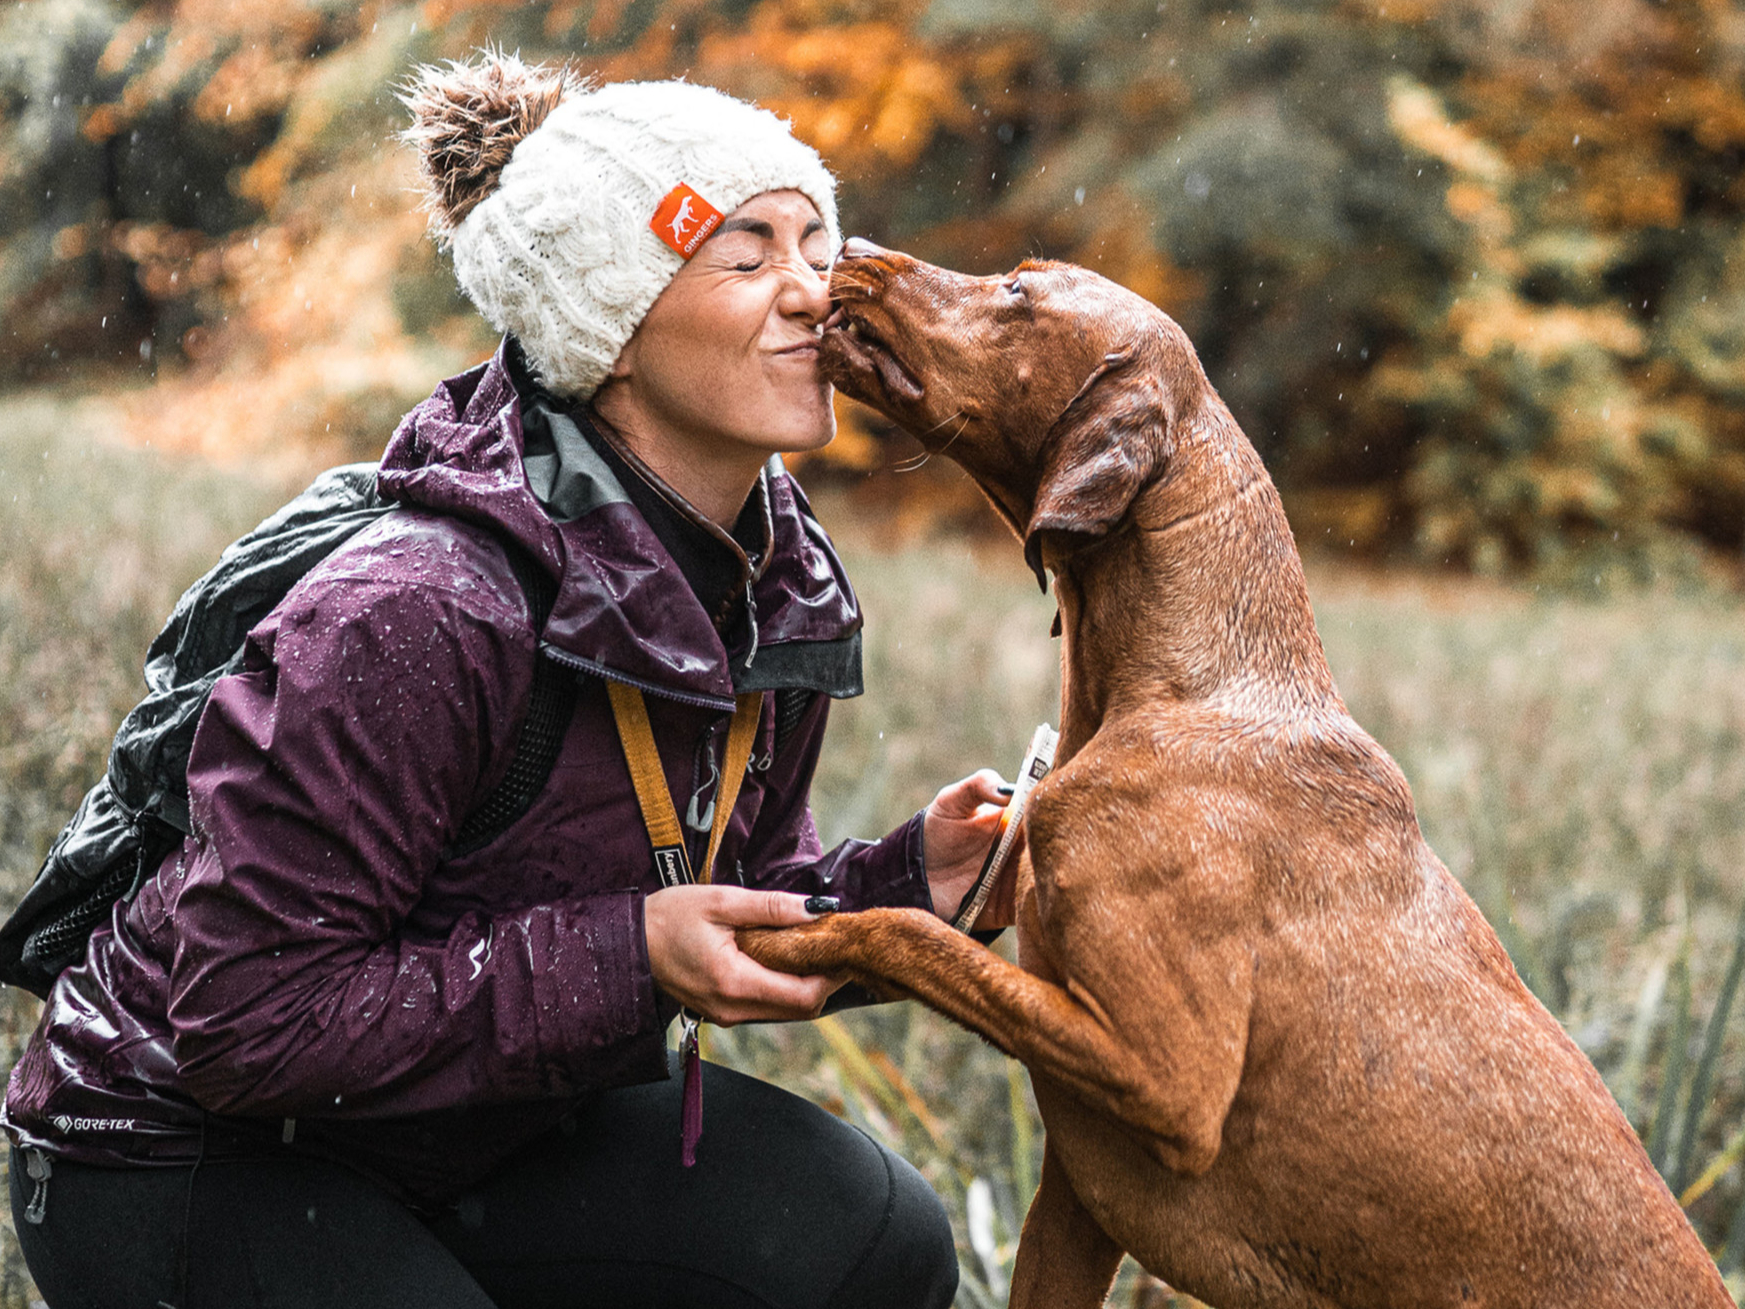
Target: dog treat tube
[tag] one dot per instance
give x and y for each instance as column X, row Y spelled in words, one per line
column 1037, row 763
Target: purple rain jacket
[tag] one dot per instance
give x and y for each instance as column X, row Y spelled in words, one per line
column 311, row 955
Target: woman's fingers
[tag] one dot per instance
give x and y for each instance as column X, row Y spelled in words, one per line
column 752, row 993
column 960, row 824
column 958, row 831
column 697, row 960
column 738, row 907
column 963, row 799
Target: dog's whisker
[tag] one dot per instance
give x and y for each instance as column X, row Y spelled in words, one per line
column 959, row 432
column 842, row 282
column 910, row 465
column 957, row 413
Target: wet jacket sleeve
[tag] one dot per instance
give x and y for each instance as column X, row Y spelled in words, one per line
column 326, row 779
column 783, row 852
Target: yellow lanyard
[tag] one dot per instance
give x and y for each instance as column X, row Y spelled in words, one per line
column 671, row 863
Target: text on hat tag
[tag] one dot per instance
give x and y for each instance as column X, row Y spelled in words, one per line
column 684, row 219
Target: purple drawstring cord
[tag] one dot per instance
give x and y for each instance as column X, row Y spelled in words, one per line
column 692, row 1116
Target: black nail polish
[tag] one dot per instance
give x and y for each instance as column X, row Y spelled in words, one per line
column 1005, row 790
column 823, row 904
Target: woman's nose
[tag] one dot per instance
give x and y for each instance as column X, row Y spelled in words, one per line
column 808, row 292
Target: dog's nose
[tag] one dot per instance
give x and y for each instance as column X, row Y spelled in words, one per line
column 858, row 247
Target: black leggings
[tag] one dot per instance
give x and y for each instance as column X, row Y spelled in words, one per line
column 787, row 1208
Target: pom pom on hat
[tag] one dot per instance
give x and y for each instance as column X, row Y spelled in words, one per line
column 467, row 120
column 545, row 188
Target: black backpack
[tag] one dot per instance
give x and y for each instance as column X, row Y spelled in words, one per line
column 138, row 810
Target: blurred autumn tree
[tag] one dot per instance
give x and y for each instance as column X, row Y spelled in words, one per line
column 1464, row 268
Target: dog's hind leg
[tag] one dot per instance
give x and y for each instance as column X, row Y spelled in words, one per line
column 1065, row 1260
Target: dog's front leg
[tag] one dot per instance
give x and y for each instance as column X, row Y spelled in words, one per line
column 909, row 952
column 1065, row 1260
column 901, row 953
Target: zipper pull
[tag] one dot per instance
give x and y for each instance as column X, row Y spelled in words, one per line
column 36, row 1166
column 751, row 621
column 698, row 818
column 691, row 1119
column 699, row 822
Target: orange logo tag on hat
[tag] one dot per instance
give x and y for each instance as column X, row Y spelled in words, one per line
column 684, row 219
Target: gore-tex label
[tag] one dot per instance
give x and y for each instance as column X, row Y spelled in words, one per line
column 684, row 219
column 65, row 1124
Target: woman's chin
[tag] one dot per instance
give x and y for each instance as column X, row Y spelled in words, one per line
column 808, row 422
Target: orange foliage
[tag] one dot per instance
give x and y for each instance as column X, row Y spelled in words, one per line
column 300, row 320
column 1608, row 85
column 1517, row 400
column 252, row 83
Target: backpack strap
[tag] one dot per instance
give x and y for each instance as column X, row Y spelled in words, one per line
column 550, row 706
column 110, row 846
column 671, row 863
column 50, row 947
column 792, row 702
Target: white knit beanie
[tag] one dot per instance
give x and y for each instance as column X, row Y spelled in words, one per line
column 547, row 191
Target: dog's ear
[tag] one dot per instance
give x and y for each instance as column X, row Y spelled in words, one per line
column 1109, row 443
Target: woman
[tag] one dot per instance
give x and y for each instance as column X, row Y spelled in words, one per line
column 333, row 1054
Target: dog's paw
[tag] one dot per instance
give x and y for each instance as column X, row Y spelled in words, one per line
column 807, row 950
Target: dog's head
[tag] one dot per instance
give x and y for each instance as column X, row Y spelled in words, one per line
column 1055, row 388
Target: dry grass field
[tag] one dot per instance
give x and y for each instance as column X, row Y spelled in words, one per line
column 1579, row 764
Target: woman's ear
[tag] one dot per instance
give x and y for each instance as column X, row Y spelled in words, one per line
column 1110, row 443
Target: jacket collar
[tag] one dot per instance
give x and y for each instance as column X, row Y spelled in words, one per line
column 623, row 609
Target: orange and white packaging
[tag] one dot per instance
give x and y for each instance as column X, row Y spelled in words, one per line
column 1038, row 763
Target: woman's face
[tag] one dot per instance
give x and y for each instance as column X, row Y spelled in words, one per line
column 725, row 363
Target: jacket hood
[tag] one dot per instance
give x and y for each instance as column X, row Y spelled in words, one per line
column 623, row 609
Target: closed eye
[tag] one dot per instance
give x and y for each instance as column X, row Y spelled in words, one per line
column 751, row 266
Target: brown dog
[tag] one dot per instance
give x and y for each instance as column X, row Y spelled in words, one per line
column 1281, row 1057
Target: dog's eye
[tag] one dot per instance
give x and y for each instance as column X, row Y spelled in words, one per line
column 1015, row 287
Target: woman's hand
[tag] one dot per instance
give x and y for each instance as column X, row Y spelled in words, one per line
column 697, row 960
column 957, row 834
